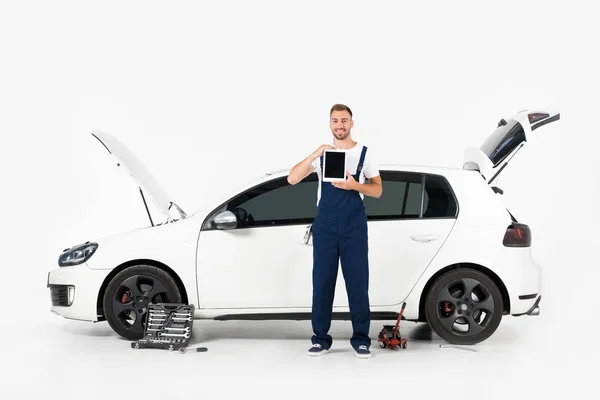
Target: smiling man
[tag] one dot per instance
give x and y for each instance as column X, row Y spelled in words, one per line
column 340, row 234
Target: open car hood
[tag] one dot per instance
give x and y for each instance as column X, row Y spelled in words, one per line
column 141, row 175
column 505, row 141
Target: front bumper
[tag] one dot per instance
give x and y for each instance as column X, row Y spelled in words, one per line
column 85, row 284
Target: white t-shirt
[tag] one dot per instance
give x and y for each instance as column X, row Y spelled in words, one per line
column 370, row 167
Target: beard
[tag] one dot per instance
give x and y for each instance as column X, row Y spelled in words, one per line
column 341, row 136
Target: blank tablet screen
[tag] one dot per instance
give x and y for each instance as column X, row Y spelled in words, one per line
column 335, row 164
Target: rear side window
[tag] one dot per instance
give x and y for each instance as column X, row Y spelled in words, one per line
column 401, row 197
column 438, row 199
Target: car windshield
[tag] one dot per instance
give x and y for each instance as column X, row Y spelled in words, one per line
column 503, row 141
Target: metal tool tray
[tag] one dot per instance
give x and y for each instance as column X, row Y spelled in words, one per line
column 169, row 326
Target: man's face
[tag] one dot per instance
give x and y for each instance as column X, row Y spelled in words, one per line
column 341, row 123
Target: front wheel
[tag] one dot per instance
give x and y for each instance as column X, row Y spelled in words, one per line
column 130, row 292
column 464, row 306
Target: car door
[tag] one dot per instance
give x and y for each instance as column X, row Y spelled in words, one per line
column 407, row 226
column 263, row 262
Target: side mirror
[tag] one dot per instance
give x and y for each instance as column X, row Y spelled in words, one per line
column 225, row 220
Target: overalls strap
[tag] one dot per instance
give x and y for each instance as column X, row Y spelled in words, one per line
column 360, row 163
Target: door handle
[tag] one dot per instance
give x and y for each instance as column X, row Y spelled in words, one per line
column 424, row 238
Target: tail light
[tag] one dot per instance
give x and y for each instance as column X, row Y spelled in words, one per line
column 517, row 235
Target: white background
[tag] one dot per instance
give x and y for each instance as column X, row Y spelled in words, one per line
column 212, row 94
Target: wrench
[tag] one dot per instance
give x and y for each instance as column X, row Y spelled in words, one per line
column 184, row 350
column 450, row 346
column 184, row 335
column 178, row 329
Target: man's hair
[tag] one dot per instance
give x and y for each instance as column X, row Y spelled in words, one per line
column 340, row 107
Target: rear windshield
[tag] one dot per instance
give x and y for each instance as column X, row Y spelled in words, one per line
column 503, row 140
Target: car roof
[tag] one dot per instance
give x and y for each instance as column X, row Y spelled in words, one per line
column 392, row 167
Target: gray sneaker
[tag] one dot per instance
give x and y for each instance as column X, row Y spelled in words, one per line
column 363, row 352
column 316, row 350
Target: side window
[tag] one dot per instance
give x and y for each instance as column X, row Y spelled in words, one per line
column 401, row 197
column 439, row 200
column 412, row 204
column 276, row 203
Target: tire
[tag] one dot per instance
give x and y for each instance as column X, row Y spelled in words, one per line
column 130, row 292
column 464, row 306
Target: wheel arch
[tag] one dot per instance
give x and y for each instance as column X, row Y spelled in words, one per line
column 125, row 265
column 491, row 274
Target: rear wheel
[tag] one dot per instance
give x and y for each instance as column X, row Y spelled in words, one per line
column 130, row 292
column 464, row 306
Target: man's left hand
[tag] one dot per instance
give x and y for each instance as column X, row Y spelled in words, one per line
column 348, row 184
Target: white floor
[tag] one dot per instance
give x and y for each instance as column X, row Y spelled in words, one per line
column 527, row 357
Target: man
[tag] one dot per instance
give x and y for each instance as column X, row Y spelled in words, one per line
column 340, row 234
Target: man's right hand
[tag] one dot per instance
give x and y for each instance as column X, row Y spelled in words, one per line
column 319, row 152
column 305, row 167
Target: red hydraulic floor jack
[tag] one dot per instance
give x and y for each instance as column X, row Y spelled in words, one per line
column 390, row 334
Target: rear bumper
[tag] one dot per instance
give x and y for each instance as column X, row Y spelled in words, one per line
column 534, row 310
column 522, row 277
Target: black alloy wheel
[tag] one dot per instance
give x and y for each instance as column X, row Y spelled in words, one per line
column 130, row 292
column 464, row 306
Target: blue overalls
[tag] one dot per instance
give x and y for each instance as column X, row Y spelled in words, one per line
column 340, row 232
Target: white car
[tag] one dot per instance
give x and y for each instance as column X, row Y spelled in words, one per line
column 440, row 239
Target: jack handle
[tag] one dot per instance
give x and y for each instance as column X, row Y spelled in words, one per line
column 400, row 315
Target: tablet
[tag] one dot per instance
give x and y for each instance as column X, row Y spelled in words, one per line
column 334, row 165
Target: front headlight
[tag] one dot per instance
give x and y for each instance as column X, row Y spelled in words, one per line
column 77, row 254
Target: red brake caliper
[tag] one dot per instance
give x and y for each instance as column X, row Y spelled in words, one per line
column 126, row 297
column 447, row 307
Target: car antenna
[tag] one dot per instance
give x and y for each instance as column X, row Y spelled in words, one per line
column 505, row 164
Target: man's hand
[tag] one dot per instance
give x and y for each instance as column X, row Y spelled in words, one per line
column 348, row 184
column 319, row 152
column 373, row 188
column 305, row 167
